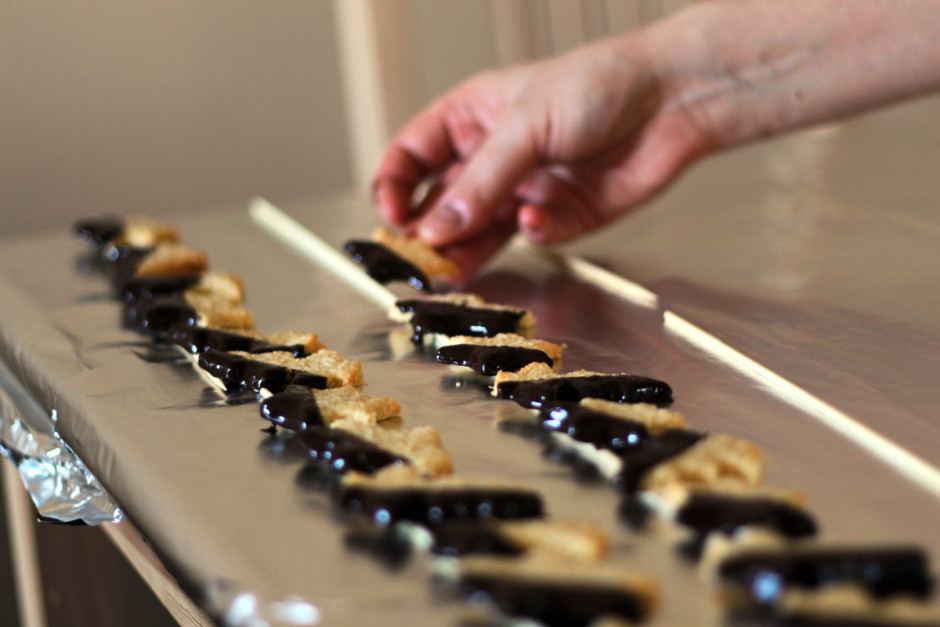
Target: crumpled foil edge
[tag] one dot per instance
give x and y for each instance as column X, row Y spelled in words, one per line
column 61, row 487
column 64, row 490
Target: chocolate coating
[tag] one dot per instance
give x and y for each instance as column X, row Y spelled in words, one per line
column 638, row 460
column 239, row 374
column 295, row 408
column 464, row 537
column 161, row 313
column 705, row 513
column 556, row 603
column 96, row 232
column 386, row 266
column 150, row 287
column 308, row 380
column 585, row 425
column 450, row 319
column 195, row 340
column 765, row 575
column 124, row 264
column 432, row 506
column 619, row 388
column 343, row 451
column 391, row 548
column 490, row 360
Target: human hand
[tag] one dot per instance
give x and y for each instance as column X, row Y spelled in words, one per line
column 553, row 149
column 557, row 148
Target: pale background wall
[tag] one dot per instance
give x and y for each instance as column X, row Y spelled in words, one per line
column 163, row 107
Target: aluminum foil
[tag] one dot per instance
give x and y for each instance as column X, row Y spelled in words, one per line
column 61, row 487
column 238, row 606
column 224, row 505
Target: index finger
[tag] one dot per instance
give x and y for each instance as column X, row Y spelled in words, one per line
column 422, row 148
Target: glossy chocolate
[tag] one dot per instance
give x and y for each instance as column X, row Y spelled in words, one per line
column 619, row 388
column 433, row 505
column 295, row 408
column 705, row 513
column 638, row 460
column 464, row 537
column 386, row 266
column 448, row 319
column 150, row 287
column 555, row 602
column 239, row 374
column 490, row 360
column 161, row 313
column 225, row 367
column 308, row 380
column 124, row 265
column 764, row 575
column 342, row 451
column 195, row 340
column 96, row 232
column 585, row 425
column 391, row 548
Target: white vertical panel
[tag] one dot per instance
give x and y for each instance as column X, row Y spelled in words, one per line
column 622, row 15
column 514, row 26
column 595, row 19
column 650, row 10
column 671, row 6
column 378, row 76
column 566, row 20
column 542, row 28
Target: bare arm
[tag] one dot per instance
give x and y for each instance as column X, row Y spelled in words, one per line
column 754, row 69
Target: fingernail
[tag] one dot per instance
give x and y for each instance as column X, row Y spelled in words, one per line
column 441, row 224
column 533, row 229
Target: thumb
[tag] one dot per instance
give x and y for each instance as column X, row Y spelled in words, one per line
column 469, row 203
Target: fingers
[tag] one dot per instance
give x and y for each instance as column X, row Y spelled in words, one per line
column 556, row 205
column 423, row 147
column 472, row 253
column 468, row 205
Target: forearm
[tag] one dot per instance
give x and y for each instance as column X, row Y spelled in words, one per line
column 740, row 70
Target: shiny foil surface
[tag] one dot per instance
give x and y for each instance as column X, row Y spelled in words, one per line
column 222, row 503
column 61, row 487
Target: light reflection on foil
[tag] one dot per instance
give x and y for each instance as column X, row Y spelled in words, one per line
column 238, row 607
column 59, row 484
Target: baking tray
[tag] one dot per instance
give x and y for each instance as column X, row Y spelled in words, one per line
column 223, row 506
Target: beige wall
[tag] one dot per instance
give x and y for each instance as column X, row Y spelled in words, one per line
column 164, row 107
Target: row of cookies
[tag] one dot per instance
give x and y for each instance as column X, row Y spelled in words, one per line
column 519, row 555
column 706, row 486
column 401, row 479
column 394, row 477
column 704, row 491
